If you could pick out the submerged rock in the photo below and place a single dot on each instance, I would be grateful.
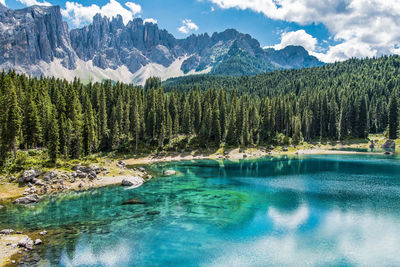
(169, 172)
(27, 200)
(133, 181)
(153, 212)
(26, 242)
(134, 201)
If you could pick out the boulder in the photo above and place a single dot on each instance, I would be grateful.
(27, 200)
(28, 175)
(44, 232)
(133, 181)
(81, 174)
(169, 172)
(92, 175)
(389, 145)
(78, 167)
(1, 207)
(141, 169)
(37, 182)
(94, 168)
(122, 163)
(285, 149)
(26, 242)
(7, 231)
(38, 242)
(49, 176)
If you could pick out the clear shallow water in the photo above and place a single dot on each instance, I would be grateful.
(311, 211)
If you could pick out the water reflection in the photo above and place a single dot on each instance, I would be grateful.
(291, 220)
(317, 210)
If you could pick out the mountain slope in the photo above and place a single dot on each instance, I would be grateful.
(238, 62)
(292, 57)
(36, 41)
(34, 34)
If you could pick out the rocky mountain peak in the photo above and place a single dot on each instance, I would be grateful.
(39, 35)
(37, 41)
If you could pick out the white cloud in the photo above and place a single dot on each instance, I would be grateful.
(299, 37)
(187, 26)
(33, 3)
(3, 2)
(150, 20)
(80, 15)
(135, 8)
(360, 28)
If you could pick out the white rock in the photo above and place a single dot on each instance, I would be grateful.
(132, 181)
(169, 172)
(26, 242)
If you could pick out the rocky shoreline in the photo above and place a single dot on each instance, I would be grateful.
(35, 185)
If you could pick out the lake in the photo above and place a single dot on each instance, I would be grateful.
(315, 210)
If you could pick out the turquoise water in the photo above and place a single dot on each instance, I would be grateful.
(325, 210)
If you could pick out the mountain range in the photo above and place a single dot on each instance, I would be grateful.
(36, 41)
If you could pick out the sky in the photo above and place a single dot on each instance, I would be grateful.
(331, 30)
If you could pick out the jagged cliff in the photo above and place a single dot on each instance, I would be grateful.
(36, 41)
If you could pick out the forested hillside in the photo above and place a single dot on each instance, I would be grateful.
(337, 101)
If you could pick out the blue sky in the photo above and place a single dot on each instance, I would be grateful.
(332, 30)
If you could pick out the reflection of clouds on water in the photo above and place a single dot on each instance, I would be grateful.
(290, 220)
(366, 239)
(85, 255)
(272, 251)
(342, 238)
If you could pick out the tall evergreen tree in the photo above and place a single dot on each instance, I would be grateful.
(53, 144)
(393, 110)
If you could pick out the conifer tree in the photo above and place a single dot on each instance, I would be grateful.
(187, 118)
(363, 119)
(31, 123)
(11, 118)
(215, 130)
(393, 110)
(53, 144)
(297, 136)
